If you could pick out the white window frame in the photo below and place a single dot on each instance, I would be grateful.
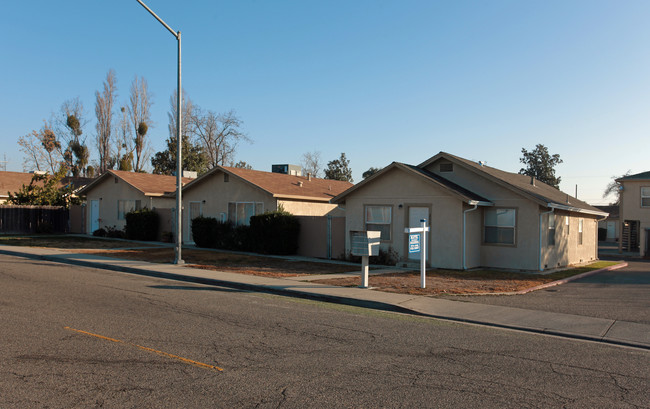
(645, 196)
(258, 208)
(581, 223)
(497, 226)
(126, 206)
(387, 234)
(551, 229)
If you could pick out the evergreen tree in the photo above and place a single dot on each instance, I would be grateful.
(339, 169)
(541, 165)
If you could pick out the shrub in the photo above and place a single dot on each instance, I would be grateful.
(204, 231)
(114, 233)
(142, 225)
(602, 234)
(101, 232)
(275, 232)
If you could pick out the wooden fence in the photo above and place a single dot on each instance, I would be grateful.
(34, 219)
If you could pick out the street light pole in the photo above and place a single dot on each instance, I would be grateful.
(179, 162)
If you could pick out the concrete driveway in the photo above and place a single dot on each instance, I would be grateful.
(622, 294)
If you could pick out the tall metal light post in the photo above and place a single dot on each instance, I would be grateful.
(179, 162)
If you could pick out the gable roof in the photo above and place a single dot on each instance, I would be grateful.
(534, 189)
(612, 210)
(280, 185)
(11, 182)
(637, 176)
(456, 190)
(147, 183)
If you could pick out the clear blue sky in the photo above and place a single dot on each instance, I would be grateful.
(379, 80)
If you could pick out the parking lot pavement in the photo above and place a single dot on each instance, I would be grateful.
(622, 294)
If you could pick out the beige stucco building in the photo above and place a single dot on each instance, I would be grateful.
(236, 194)
(115, 193)
(634, 213)
(479, 216)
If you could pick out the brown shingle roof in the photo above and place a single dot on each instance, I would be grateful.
(14, 181)
(147, 183)
(284, 186)
(543, 193)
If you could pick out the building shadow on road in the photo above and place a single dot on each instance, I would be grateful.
(203, 288)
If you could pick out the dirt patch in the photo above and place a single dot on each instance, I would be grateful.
(460, 282)
(409, 283)
(229, 262)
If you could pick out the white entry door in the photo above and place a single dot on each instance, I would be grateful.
(611, 231)
(94, 215)
(415, 215)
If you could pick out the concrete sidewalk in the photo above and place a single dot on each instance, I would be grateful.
(565, 325)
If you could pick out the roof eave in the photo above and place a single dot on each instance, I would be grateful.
(576, 209)
(299, 197)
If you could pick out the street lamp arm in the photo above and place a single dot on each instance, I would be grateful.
(174, 33)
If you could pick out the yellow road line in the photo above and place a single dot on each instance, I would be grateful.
(188, 361)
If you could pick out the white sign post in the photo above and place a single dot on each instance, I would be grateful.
(419, 245)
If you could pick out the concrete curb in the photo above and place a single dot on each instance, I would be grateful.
(572, 278)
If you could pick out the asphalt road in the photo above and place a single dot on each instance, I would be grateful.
(80, 337)
(622, 294)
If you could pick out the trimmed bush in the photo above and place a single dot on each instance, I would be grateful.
(204, 231)
(142, 225)
(275, 232)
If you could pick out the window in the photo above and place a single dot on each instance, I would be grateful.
(379, 218)
(500, 226)
(226, 178)
(126, 206)
(446, 167)
(645, 197)
(567, 223)
(239, 213)
(580, 225)
(551, 229)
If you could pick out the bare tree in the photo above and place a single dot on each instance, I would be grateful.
(139, 115)
(42, 150)
(614, 188)
(69, 126)
(104, 102)
(218, 134)
(188, 113)
(311, 163)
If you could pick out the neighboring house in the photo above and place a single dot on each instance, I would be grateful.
(236, 194)
(11, 182)
(115, 193)
(479, 216)
(635, 213)
(611, 223)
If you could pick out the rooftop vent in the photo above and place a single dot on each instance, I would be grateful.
(532, 180)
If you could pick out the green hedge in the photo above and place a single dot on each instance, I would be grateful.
(275, 232)
(269, 233)
(142, 225)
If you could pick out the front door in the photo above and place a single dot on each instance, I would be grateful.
(94, 215)
(611, 231)
(415, 215)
